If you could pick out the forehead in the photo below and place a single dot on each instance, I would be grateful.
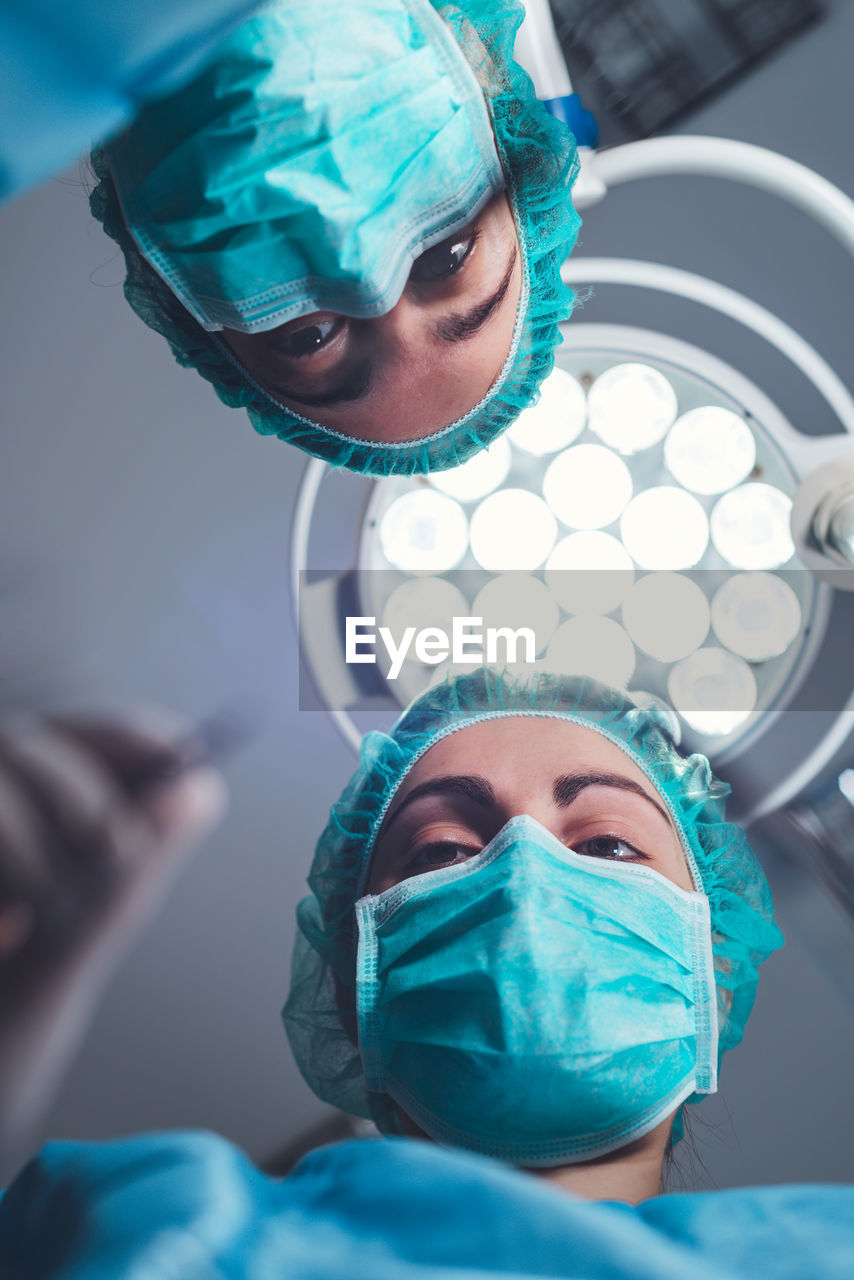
(524, 752)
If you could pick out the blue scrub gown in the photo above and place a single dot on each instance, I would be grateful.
(190, 1206)
(73, 73)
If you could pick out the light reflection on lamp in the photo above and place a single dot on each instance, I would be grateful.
(517, 600)
(589, 572)
(512, 529)
(750, 527)
(631, 407)
(592, 646)
(587, 486)
(424, 531)
(666, 615)
(756, 615)
(714, 691)
(665, 528)
(710, 450)
(555, 420)
(477, 477)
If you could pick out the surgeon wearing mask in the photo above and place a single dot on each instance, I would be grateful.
(352, 224)
(530, 938)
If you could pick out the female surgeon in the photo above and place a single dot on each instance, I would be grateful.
(352, 224)
(530, 937)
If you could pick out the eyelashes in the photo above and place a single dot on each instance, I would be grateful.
(447, 853)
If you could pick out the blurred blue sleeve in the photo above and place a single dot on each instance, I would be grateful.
(72, 73)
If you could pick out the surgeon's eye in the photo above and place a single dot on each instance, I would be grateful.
(442, 853)
(611, 847)
(305, 337)
(444, 259)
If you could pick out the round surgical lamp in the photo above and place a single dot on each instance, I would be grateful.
(665, 525)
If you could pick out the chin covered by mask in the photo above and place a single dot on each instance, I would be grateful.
(324, 148)
(368, 1016)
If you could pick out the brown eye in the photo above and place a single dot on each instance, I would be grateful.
(442, 853)
(444, 259)
(611, 847)
(310, 337)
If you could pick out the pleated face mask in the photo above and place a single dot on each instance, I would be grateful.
(326, 146)
(535, 1004)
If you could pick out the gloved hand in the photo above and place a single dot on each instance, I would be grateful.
(89, 843)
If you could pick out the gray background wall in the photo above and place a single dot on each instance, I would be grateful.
(143, 553)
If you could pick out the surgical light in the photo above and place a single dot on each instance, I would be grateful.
(424, 602)
(479, 476)
(631, 407)
(587, 486)
(665, 528)
(424, 531)
(756, 615)
(589, 572)
(512, 529)
(714, 691)
(555, 420)
(517, 600)
(750, 527)
(666, 615)
(592, 646)
(710, 450)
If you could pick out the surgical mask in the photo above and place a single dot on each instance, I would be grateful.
(325, 147)
(535, 1004)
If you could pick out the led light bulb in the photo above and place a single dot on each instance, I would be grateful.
(631, 407)
(512, 529)
(477, 477)
(517, 600)
(665, 528)
(424, 531)
(589, 572)
(666, 615)
(750, 527)
(756, 615)
(587, 486)
(710, 450)
(555, 420)
(713, 691)
(424, 602)
(592, 646)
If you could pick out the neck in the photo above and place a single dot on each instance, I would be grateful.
(632, 1173)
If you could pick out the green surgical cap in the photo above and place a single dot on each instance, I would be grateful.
(539, 163)
(320, 1016)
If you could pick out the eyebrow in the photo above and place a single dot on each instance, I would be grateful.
(569, 787)
(354, 385)
(357, 382)
(565, 790)
(460, 327)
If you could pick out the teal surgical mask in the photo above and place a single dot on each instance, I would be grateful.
(323, 149)
(535, 1004)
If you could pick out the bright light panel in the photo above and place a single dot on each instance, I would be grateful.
(513, 529)
(750, 527)
(517, 600)
(424, 531)
(589, 572)
(713, 691)
(477, 477)
(631, 407)
(756, 615)
(587, 486)
(665, 528)
(592, 646)
(555, 420)
(424, 602)
(710, 450)
(666, 615)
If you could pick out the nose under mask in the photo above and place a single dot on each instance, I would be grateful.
(535, 1004)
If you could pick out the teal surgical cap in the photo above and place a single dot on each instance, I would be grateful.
(327, 145)
(320, 1016)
